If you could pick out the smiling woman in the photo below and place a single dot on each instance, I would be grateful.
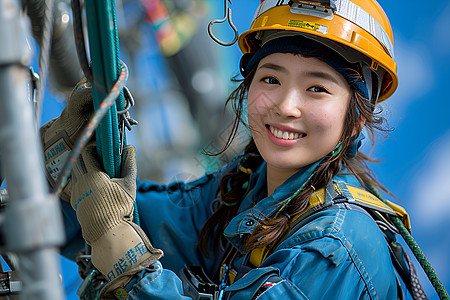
(292, 216)
(306, 109)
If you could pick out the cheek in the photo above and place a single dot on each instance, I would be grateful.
(256, 101)
(258, 104)
(329, 119)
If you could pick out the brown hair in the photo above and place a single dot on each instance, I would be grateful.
(271, 228)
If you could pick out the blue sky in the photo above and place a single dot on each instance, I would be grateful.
(416, 166)
(415, 162)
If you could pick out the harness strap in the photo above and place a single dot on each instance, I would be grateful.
(338, 195)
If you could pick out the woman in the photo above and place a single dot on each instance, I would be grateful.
(287, 218)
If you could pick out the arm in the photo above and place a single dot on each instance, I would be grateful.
(120, 249)
(104, 209)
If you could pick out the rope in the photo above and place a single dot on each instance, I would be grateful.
(412, 244)
(79, 42)
(104, 56)
(102, 73)
(44, 54)
(105, 67)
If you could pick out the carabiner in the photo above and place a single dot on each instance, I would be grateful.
(124, 119)
(227, 16)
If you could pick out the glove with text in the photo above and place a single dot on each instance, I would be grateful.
(59, 135)
(104, 208)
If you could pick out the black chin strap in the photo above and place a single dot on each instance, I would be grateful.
(372, 79)
(245, 59)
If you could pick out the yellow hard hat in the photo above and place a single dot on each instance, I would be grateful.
(358, 30)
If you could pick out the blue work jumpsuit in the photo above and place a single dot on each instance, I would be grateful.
(339, 254)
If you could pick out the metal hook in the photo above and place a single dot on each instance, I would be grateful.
(124, 117)
(227, 16)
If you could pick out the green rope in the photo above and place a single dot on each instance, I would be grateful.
(106, 67)
(104, 49)
(333, 153)
(289, 199)
(412, 244)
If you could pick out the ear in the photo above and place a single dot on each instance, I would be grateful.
(360, 126)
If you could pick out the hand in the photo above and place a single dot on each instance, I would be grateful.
(59, 135)
(104, 208)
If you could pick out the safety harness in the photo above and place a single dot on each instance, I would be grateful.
(337, 194)
(350, 197)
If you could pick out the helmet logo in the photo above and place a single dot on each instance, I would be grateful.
(308, 25)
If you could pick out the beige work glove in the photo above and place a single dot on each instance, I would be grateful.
(59, 135)
(104, 208)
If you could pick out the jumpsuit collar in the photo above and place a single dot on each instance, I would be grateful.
(256, 204)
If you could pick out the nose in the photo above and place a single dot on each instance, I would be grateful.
(289, 104)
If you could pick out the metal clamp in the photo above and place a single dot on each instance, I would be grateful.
(124, 117)
(320, 8)
(4, 197)
(314, 3)
(227, 16)
(8, 286)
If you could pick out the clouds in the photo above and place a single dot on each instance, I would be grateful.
(415, 72)
(430, 203)
(431, 192)
(441, 36)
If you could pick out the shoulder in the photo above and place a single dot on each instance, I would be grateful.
(350, 229)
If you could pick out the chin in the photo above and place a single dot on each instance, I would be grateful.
(286, 163)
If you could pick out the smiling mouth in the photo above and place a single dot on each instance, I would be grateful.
(285, 135)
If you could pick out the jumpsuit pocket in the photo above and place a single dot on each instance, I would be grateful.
(247, 286)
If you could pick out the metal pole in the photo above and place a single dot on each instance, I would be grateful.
(32, 222)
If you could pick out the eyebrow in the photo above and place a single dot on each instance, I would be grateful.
(323, 75)
(273, 67)
(317, 74)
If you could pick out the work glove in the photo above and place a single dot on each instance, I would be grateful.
(59, 135)
(104, 208)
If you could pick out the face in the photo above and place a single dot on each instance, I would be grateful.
(296, 110)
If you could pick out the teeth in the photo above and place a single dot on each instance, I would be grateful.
(284, 134)
(278, 133)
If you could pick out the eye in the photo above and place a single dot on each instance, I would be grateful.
(270, 80)
(318, 89)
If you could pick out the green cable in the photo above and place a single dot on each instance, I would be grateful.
(110, 44)
(412, 244)
(105, 69)
(105, 65)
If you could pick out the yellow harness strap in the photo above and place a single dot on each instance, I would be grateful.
(366, 199)
(401, 212)
(258, 255)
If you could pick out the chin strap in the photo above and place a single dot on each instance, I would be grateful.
(372, 80)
